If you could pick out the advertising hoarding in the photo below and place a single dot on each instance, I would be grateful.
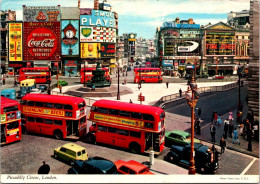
(186, 33)
(173, 47)
(220, 44)
(97, 34)
(98, 18)
(70, 67)
(89, 50)
(167, 62)
(108, 50)
(41, 40)
(132, 47)
(70, 37)
(41, 13)
(15, 42)
(185, 26)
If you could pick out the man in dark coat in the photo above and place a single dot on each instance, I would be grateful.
(180, 91)
(226, 124)
(222, 144)
(230, 129)
(212, 132)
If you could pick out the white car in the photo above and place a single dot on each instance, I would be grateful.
(35, 91)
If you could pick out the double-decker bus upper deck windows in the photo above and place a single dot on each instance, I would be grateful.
(39, 104)
(48, 121)
(124, 113)
(68, 107)
(68, 114)
(13, 125)
(113, 112)
(82, 104)
(58, 106)
(10, 109)
(112, 130)
(123, 132)
(135, 134)
(148, 125)
(39, 120)
(49, 105)
(136, 115)
(103, 110)
(102, 128)
(30, 119)
(148, 117)
(30, 103)
(57, 122)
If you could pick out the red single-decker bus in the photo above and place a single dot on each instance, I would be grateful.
(10, 121)
(40, 74)
(139, 128)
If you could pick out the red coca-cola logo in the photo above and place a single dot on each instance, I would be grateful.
(42, 43)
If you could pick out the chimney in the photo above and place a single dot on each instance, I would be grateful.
(96, 4)
(177, 20)
(190, 21)
(78, 3)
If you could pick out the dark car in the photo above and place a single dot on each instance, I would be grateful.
(94, 165)
(43, 88)
(206, 158)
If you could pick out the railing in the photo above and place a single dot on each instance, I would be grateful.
(198, 80)
(175, 96)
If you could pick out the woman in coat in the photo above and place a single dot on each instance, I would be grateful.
(219, 121)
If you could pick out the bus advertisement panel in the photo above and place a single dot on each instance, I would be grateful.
(53, 115)
(10, 121)
(147, 75)
(88, 74)
(40, 74)
(136, 127)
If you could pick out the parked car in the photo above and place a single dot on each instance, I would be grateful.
(71, 152)
(218, 77)
(131, 167)
(206, 158)
(63, 83)
(95, 165)
(36, 91)
(178, 137)
(43, 88)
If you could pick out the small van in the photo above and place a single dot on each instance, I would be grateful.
(26, 86)
(9, 93)
(71, 152)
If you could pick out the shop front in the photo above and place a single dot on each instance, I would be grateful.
(167, 67)
(225, 70)
(14, 67)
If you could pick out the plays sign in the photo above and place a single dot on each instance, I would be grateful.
(41, 41)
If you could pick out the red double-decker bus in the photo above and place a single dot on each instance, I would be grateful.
(53, 115)
(147, 75)
(10, 121)
(88, 74)
(40, 74)
(139, 128)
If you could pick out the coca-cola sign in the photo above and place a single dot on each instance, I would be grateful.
(42, 41)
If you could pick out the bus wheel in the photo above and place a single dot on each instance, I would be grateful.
(58, 134)
(135, 147)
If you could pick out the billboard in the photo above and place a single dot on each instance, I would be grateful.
(220, 44)
(186, 33)
(89, 50)
(41, 13)
(70, 67)
(167, 63)
(70, 37)
(97, 34)
(108, 50)
(15, 42)
(41, 41)
(173, 47)
(98, 18)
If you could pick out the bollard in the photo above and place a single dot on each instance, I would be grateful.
(151, 154)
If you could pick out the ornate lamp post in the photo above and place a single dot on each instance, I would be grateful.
(118, 75)
(239, 70)
(57, 63)
(140, 76)
(192, 98)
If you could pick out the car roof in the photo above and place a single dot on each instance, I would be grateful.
(134, 165)
(179, 132)
(100, 163)
(74, 147)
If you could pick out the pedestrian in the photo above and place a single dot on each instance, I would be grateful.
(226, 124)
(198, 127)
(60, 88)
(222, 144)
(93, 87)
(212, 132)
(3, 80)
(167, 84)
(235, 137)
(130, 101)
(230, 129)
(241, 128)
(199, 112)
(15, 82)
(249, 138)
(215, 117)
(212, 116)
(180, 92)
(44, 169)
(230, 116)
(219, 121)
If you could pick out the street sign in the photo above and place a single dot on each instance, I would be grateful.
(140, 97)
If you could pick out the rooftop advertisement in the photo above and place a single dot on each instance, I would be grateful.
(98, 18)
(41, 13)
(70, 37)
(175, 25)
(97, 34)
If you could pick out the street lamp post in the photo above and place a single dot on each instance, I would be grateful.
(118, 92)
(84, 70)
(192, 98)
(140, 76)
(49, 83)
(57, 63)
(239, 95)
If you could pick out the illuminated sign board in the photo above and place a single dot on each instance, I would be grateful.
(175, 25)
(108, 50)
(97, 34)
(173, 47)
(167, 62)
(15, 42)
(89, 50)
(98, 18)
(220, 43)
(41, 40)
(41, 13)
(70, 67)
(186, 33)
